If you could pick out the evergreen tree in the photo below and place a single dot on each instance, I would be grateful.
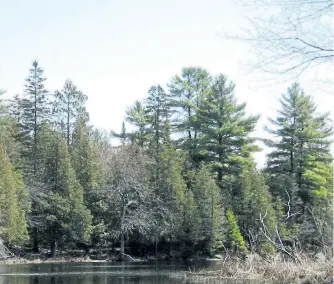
(9, 133)
(13, 202)
(36, 109)
(256, 200)
(29, 112)
(172, 191)
(137, 116)
(68, 105)
(87, 165)
(225, 128)
(185, 93)
(157, 118)
(65, 212)
(191, 224)
(207, 198)
(157, 112)
(301, 153)
(303, 139)
(234, 238)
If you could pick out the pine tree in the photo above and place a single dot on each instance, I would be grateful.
(68, 105)
(137, 116)
(301, 153)
(185, 93)
(225, 128)
(303, 138)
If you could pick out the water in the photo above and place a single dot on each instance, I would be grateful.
(98, 273)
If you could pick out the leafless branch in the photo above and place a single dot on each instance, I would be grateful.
(289, 214)
(288, 36)
(279, 246)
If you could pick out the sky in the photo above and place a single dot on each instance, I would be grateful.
(115, 50)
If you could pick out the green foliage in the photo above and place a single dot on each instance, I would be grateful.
(13, 202)
(185, 157)
(234, 237)
(185, 94)
(255, 200)
(303, 140)
(172, 191)
(207, 197)
(191, 225)
(68, 105)
(65, 212)
(88, 170)
(35, 109)
(137, 116)
(301, 159)
(267, 248)
(225, 129)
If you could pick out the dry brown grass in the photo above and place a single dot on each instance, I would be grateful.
(305, 270)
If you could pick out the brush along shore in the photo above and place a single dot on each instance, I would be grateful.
(305, 270)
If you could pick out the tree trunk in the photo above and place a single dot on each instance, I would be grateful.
(122, 246)
(53, 248)
(35, 133)
(35, 240)
(156, 248)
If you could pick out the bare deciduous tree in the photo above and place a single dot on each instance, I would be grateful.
(129, 193)
(289, 36)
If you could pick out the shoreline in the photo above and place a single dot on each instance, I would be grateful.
(21, 260)
(306, 270)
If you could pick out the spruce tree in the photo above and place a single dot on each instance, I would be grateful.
(157, 112)
(68, 105)
(36, 109)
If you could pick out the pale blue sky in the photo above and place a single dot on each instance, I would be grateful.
(115, 50)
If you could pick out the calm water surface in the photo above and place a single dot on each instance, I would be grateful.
(97, 273)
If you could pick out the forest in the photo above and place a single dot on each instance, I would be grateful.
(182, 180)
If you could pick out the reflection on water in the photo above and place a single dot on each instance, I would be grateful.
(97, 273)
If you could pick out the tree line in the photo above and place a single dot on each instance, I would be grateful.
(182, 182)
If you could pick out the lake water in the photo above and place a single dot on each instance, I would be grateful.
(98, 273)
